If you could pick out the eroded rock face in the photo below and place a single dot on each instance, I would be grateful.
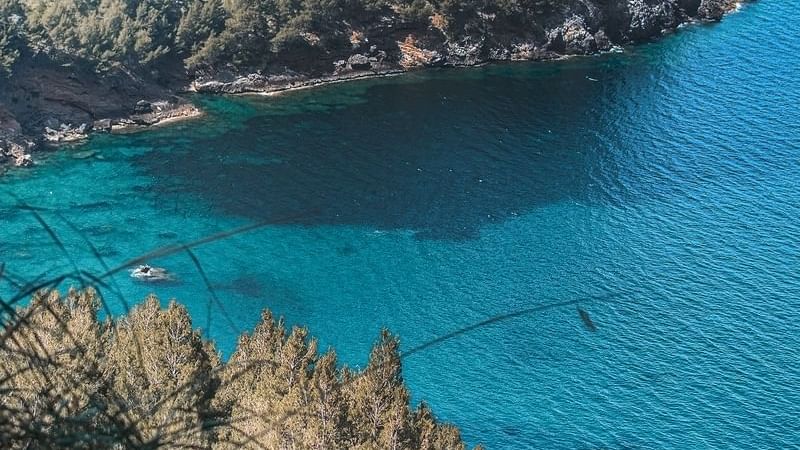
(414, 55)
(142, 107)
(8, 124)
(359, 62)
(468, 51)
(689, 6)
(45, 93)
(551, 28)
(575, 38)
(227, 84)
(650, 18)
(66, 133)
(14, 150)
(160, 111)
(714, 9)
(102, 125)
(14, 146)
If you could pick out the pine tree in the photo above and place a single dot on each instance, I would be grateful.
(294, 387)
(11, 34)
(378, 399)
(163, 374)
(431, 435)
(200, 20)
(327, 409)
(51, 351)
(148, 380)
(250, 391)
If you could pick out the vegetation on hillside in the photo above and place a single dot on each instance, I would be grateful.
(140, 34)
(11, 34)
(148, 380)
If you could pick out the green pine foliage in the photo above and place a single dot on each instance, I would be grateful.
(11, 34)
(241, 34)
(149, 380)
(106, 33)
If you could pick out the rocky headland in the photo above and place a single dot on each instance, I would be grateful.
(53, 102)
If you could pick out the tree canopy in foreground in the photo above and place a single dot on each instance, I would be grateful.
(149, 380)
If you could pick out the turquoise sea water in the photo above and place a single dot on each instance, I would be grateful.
(664, 199)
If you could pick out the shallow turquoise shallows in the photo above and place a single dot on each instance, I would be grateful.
(663, 199)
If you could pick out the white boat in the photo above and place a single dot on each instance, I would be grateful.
(149, 273)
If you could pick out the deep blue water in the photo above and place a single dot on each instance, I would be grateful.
(664, 199)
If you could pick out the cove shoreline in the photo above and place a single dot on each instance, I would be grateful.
(47, 126)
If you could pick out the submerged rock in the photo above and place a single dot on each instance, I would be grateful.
(84, 154)
(151, 274)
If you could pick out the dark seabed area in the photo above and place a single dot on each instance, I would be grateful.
(636, 238)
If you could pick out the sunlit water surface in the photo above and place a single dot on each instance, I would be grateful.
(664, 199)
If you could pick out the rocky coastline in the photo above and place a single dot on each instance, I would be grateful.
(580, 33)
(47, 104)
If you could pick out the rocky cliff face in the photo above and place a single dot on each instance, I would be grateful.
(48, 102)
(575, 27)
(14, 146)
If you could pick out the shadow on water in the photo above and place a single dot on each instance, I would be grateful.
(428, 157)
(249, 285)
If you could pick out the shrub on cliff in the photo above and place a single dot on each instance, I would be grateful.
(107, 33)
(149, 380)
(142, 36)
(11, 34)
(138, 34)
